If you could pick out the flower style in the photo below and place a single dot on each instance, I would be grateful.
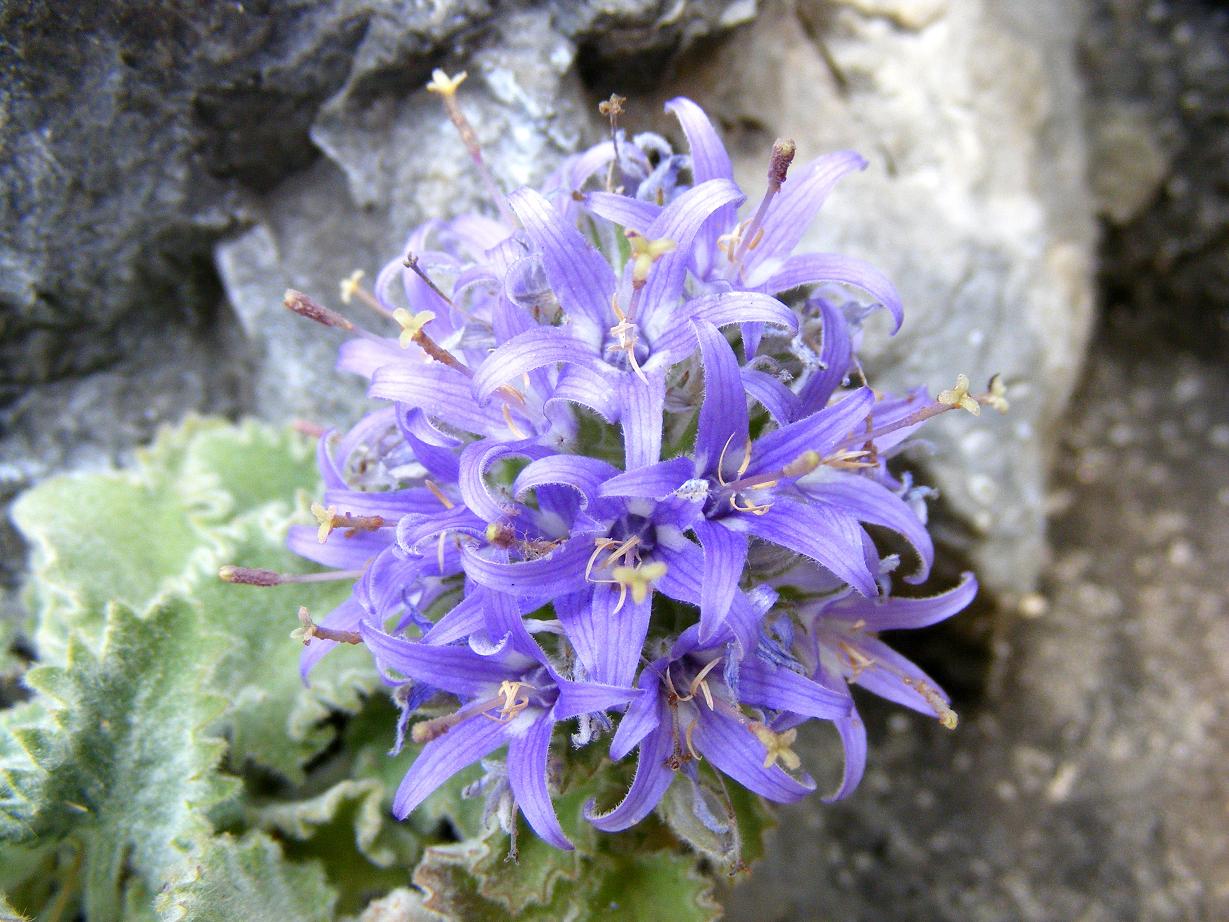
(582, 502)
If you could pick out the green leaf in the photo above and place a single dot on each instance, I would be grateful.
(652, 886)
(229, 879)
(251, 463)
(96, 538)
(399, 905)
(27, 739)
(130, 770)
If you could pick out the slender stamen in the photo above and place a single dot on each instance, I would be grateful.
(438, 494)
(612, 108)
(309, 629)
(699, 682)
(352, 287)
(329, 520)
(257, 576)
(859, 662)
(512, 426)
(446, 87)
(305, 306)
(411, 263)
(749, 237)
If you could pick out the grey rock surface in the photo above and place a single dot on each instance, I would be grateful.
(974, 202)
(1163, 170)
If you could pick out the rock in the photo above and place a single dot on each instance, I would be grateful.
(974, 202)
(1168, 257)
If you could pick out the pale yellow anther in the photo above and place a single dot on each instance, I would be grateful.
(351, 285)
(513, 701)
(443, 84)
(997, 398)
(958, 396)
(411, 324)
(778, 746)
(751, 507)
(803, 464)
(645, 252)
(625, 332)
(327, 519)
(639, 579)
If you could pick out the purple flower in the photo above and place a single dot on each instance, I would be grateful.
(605, 438)
(508, 697)
(844, 647)
(691, 710)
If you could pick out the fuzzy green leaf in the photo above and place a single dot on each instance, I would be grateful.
(96, 538)
(229, 879)
(252, 464)
(130, 769)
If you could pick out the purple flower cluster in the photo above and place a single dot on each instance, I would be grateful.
(619, 483)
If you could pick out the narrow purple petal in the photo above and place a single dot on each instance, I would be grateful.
(725, 553)
(527, 756)
(623, 210)
(531, 350)
(680, 221)
(765, 685)
(811, 268)
(643, 714)
(620, 634)
(780, 402)
(872, 502)
(432, 449)
(362, 356)
(580, 275)
(896, 613)
(641, 407)
(595, 389)
(677, 340)
(438, 391)
(475, 459)
(836, 355)
(577, 698)
(440, 759)
(853, 739)
(339, 552)
(723, 424)
(708, 157)
(584, 475)
(737, 752)
(653, 481)
(652, 778)
(417, 534)
(818, 432)
(887, 676)
(458, 670)
(828, 536)
(458, 623)
(561, 571)
(799, 201)
(386, 503)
